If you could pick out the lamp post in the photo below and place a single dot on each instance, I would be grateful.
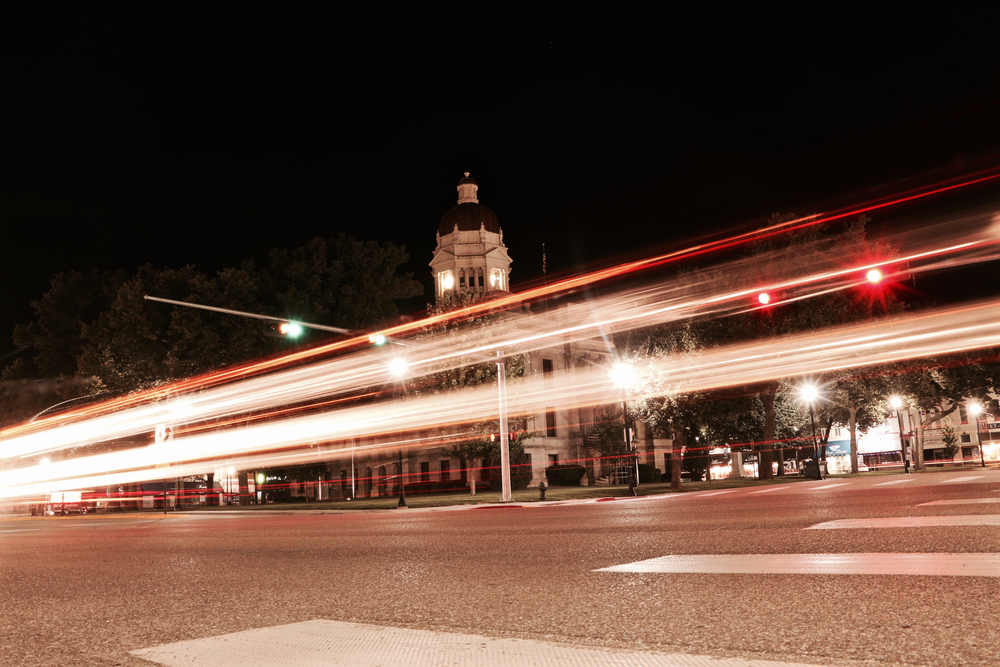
(504, 444)
(809, 393)
(976, 410)
(398, 368)
(897, 403)
(624, 377)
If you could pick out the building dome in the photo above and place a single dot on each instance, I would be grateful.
(469, 217)
(469, 214)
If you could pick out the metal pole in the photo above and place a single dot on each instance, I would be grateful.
(227, 311)
(979, 437)
(902, 447)
(812, 418)
(633, 473)
(504, 446)
(402, 493)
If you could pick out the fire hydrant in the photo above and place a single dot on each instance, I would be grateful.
(541, 490)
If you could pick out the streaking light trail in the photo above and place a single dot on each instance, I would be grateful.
(237, 373)
(362, 372)
(947, 331)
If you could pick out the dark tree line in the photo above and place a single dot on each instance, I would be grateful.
(94, 334)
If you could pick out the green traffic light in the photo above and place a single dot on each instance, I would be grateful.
(290, 329)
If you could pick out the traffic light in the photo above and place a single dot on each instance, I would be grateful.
(511, 436)
(283, 329)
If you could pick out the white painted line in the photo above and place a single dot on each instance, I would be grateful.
(322, 643)
(773, 488)
(895, 481)
(917, 564)
(911, 522)
(961, 501)
(714, 493)
(28, 530)
(961, 479)
(829, 486)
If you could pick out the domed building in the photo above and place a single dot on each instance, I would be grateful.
(470, 253)
(470, 256)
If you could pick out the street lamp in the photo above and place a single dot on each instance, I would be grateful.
(624, 377)
(897, 403)
(976, 410)
(809, 394)
(398, 368)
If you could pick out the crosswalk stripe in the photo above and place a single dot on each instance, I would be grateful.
(895, 481)
(828, 486)
(714, 493)
(910, 522)
(961, 501)
(327, 643)
(916, 564)
(961, 479)
(773, 488)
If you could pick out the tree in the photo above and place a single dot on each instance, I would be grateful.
(770, 260)
(937, 386)
(98, 324)
(949, 436)
(98, 328)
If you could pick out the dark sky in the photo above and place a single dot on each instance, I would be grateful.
(136, 136)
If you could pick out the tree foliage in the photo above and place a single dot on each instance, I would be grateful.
(97, 326)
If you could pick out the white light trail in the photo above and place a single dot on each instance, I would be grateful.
(726, 289)
(947, 331)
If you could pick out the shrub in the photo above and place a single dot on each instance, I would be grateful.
(567, 475)
(648, 474)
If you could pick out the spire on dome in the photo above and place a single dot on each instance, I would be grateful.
(467, 190)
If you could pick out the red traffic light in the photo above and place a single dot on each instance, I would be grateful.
(874, 276)
(764, 298)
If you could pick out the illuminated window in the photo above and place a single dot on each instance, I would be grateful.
(496, 279)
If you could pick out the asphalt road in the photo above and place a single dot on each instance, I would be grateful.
(86, 590)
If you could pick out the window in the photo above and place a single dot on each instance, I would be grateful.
(963, 415)
(425, 471)
(546, 366)
(445, 471)
(966, 437)
(550, 423)
(553, 459)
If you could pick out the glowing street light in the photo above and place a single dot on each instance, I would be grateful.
(897, 403)
(874, 276)
(764, 298)
(809, 393)
(398, 367)
(976, 410)
(624, 376)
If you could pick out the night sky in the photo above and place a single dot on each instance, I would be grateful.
(136, 136)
